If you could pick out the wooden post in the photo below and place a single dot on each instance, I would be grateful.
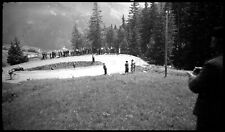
(166, 40)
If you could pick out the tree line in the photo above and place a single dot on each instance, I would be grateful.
(143, 32)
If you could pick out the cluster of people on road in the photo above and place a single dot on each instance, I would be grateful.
(54, 54)
(83, 51)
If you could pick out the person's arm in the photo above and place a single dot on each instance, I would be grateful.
(198, 83)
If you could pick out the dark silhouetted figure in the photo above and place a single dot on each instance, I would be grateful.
(93, 59)
(74, 65)
(126, 67)
(208, 85)
(105, 69)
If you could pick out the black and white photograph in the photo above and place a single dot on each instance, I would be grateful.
(112, 65)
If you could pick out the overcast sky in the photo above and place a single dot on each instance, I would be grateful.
(48, 25)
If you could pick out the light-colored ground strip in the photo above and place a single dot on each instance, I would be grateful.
(114, 63)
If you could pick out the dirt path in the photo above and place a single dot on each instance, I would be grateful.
(114, 63)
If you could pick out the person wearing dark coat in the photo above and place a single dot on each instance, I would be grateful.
(105, 69)
(126, 67)
(208, 85)
(93, 59)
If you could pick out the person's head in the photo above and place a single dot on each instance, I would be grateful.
(126, 61)
(217, 39)
(132, 60)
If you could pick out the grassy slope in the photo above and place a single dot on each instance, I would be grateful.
(133, 101)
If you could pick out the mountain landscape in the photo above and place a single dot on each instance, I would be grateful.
(48, 25)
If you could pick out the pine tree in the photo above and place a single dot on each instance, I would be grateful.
(109, 37)
(77, 40)
(115, 39)
(132, 30)
(155, 52)
(145, 28)
(123, 22)
(195, 23)
(104, 33)
(122, 37)
(86, 41)
(182, 16)
(95, 29)
(172, 29)
(15, 54)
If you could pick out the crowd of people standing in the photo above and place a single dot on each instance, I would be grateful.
(55, 54)
(83, 51)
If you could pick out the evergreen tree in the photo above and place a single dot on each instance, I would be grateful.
(182, 16)
(122, 41)
(115, 39)
(172, 29)
(95, 29)
(115, 28)
(156, 48)
(145, 28)
(86, 41)
(15, 54)
(77, 40)
(153, 39)
(109, 37)
(104, 33)
(123, 22)
(122, 37)
(195, 23)
(132, 30)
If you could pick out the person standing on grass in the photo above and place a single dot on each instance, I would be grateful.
(131, 66)
(126, 67)
(208, 85)
(105, 69)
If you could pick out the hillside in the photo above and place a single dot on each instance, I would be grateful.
(139, 101)
(114, 63)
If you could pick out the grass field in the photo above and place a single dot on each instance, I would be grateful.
(138, 101)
